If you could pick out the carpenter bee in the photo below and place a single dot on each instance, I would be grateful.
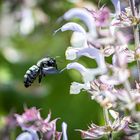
(43, 67)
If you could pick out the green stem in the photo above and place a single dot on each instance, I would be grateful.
(110, 137)
(136, 32)
(128, 88)
(107, 122)
(106, 116)
(137, 43)
(137, 39)
(132, 6)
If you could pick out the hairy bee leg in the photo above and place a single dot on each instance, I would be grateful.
(40, 76)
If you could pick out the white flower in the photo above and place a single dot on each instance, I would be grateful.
(78, 40)
(71, 54)
(25, 136)
(64, 131)
(88, 74)
(93, 53)
(83, 15)
(119, 76)
(114, 114)
(117, 6)
(122, 57)
(72, 27)
(29, 135)
(108, 50)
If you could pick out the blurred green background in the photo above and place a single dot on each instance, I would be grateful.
(26, 35)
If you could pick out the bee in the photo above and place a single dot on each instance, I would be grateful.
(43, 67)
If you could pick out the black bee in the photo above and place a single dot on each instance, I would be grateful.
(43, 67)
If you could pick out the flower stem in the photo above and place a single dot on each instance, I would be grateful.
(136, 32)
(132, 6)
(128, 88)
(137, 41)
(136, 38)
(106, 116)
(107, 122)
(110, 137)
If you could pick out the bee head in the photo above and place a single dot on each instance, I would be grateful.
(47, 62)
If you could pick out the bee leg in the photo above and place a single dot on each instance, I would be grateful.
(39, 79)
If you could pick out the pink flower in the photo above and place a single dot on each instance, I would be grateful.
(30, 115)
(48, 128)
(101, 17)
(96, 132)
(31, 121)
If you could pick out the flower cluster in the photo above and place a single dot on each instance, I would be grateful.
(33, 124)
(95, 132)
(109, 83)
(7, 126)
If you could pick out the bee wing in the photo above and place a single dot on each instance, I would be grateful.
(49, 70)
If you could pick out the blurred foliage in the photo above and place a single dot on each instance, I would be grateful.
(19, 50)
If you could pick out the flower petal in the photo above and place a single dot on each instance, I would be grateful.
(119, 76)
(88, 74)
(64, 131)
(84, 16)
(78, 40)
(29, 135)
(29, 115)
(73, 27)
(25, 136)
(114, 114)
(48, 117)
(71, 53)
(77, 66)
(93, 53)
(76, 87)
(94, 132)
(117, 6)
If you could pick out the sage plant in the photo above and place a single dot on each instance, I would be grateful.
(108, 35)
(109, 84)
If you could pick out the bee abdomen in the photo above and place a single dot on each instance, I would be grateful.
(31, 75)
